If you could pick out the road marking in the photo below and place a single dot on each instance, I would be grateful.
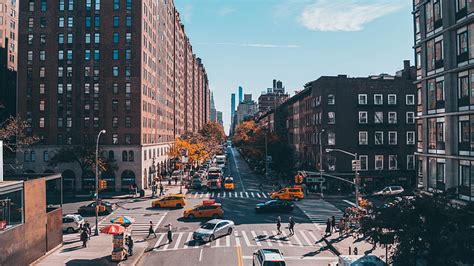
(306, 239)
(227, 241)
(247, 194)
(258, 194)
(180, 235)
(195, 194)
(159, 241)
(238, 172)
(201, 195)
(240, 261)
(218, 194)
(166, 246)
(300, 258)
(297, 240)
(188, 239)
(241, 195)
(266, 239)
(255, 238)
(212, 195)
(251, 193)
(315, 238)
(200, 255)
(218, 243)
(265, 196)
(246, 239)
(237, 240)
(349, 202)
(159, 221)
(235, 194)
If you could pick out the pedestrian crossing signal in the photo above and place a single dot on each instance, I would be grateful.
(102, 184)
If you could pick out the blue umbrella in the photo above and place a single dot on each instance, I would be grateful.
(123, 220)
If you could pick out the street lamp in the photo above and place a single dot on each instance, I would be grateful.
(96, 231)
(321, 160)
(356, 170)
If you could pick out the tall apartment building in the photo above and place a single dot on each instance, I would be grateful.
(444, 49)
(246, 109)
(372, 116)
(273, 97)
(117, 65)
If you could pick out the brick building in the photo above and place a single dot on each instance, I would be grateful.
(126, 67)
(373, 117)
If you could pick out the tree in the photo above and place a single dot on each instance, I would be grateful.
(13, 133)
(428, 230)
(84, 156)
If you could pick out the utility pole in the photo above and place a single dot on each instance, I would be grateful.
(266, 155)
(96, 231)
(321, 160)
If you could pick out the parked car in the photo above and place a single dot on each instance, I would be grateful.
(390, 191)
(72, 223)
(213, 229)
(275, 206)
(170, 201)
(268, 257)
(104, 207)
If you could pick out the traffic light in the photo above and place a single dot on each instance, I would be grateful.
(102, 184)
(298, 179)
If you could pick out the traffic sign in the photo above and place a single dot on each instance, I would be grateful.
(355, 165)
(315, 179)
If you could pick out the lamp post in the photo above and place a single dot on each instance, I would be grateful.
(96, 231)
(321, 160)
(356, 170)
(266, 155)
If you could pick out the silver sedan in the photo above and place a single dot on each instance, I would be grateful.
(213, 229)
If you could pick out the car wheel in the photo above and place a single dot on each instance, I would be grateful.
(211, 238)
(215, 215)
(229, 232)
(191, 216)
(179, 205)
(70, 230)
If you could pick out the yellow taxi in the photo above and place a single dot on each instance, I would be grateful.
(229, 183)
(208, 209)
(288, 193)
(170, 201)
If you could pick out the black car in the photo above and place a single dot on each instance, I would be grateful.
(105, 207)
(197, 184)
(275, 206)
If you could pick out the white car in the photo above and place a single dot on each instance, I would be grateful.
(213, 229)
(390, 191)
(268, 257)
(72, 223)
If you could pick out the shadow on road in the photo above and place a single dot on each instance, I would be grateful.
(107, 260)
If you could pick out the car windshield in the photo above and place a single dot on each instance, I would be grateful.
(229, 181)
(208, 226)
(271, 202)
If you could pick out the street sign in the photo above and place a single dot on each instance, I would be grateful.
(269, 158)
(355, 165)
(315, 179)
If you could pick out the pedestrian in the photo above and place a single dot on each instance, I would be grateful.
(135, 191)
(130, 190)
(151, 230)
(161, 190)
(130, 245)
(291, 226)
(333, 224)
(341, 226)
(328, 227)
(153, 189)
(84, 238)
(87, 228)
(175, 180)
(279, 225)
(170, 233)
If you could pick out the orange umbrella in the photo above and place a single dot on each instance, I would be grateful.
(113, 229)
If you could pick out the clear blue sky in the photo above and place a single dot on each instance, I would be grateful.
(251, 42)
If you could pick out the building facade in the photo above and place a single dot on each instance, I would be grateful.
(126, 67)
(444, 39)
(373, 117)
(246, 109)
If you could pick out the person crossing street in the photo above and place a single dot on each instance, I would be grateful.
(161, 190)
(291, 226)
(151, 230)
(170, 233)
(279, 225)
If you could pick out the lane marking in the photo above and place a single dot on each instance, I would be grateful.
(240, 260)
(227, 241)
(235, 193)
(218, 243)
(218, 194)
(251, 193)
(237, 240)
(207, 194)
(223, 195)
(255, 238)
(349, 202)
(297, 240)
(306, 238)
(266, 240)
(326, 258)
(180, 235)
(241, 195)
(247, 194)
(237, 168)
(158, 242)
(315, 239)
(265, 196)
(258, 194)
(159, 221)
(201, 195)
(188, 239)
(200, 254)
(246, 239)
(195, 194)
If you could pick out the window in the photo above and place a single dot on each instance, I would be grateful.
(331, 118)
(410, 162)
(30, 56)
(88, 22)
(378, 162)
(466, 134)
(362, 117)
(33, 156)
(115, 121)
(115, 37)
(410, 99)
(115, 54)
(128, 71)
(392, 117)
(115, 139)
(363, 138)
(436, 173)
(87, 54)
(42, 38)
(41, 105)
(116, 21)
(127, 105)
(435, 94)
(378, 137)
(462, 42)
(331, 99)
(116, 4)
(115, 71)
(69, 38)
(87, 38)
(378, 99)
(392, 138)
(128, 4)
(466, 179)
(378, 117)
(392, 99)
(60, 122)
(70, 5)
(61, 5)
(128, 21)
(128, 37)
(436, 134)
(131, 156)
(128, 122)
(60, 72)
(410, 137)
(124, 156)
(115, 88)
(31, 6)
(128, 139)
(45, 156)
(128, 54)
(60, 89)
(88, 5)
(331, 138)
(392, 162)
(410, 119)
(363, 162)
(97, 4)
(69, 55)
(96, 21)
(96, 54)
(362, 99)
(114, 105)
(60, 55)
(68, 122)
(41, 122)
(96, 38)
(61, 22)
(429, 17)
(70, 22)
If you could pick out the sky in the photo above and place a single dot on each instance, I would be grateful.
(249, 43)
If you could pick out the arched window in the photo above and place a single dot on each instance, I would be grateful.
(130, 156)
(111, 155)
(124, 156)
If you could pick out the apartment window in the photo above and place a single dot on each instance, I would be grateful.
(114, 105)
(115, 37)
(69, 72)
(30, 23)
(88, 5)
(466, 133)
(70, 22)
(97, 4)
(429, 17)
(96, 122)
(60, 72)
(31, 6)
(410, 117)
(435, 94)
(124, 156)
(128, 37)
(96, 54)
(41, 122)
(96, 105)
(378, 137)
(410, 162)
(128, 71)
(88, 22)
(128, 139)
(115, 88)
(61, 22)
(60, 89)
(96, 21)
(69, 55)
(60, 122)
(30, 56)
(115, 121)
(87, 105)
(42, 39)
(42, 72)
(392, 117)
(392, 138)
(363, 138)
(462, 41)
(70, 5)
(68, 122)
(128, 21)
(362, 117)
(60, 55)
(128, 89)
(45, 156)
(128, 4)
(41, 105)
(97, 38)
(364, 162)
(362, 99)
(331, 138)
(436, 174)
(116, 4)
(392, 99)
(128, 105)
(115, 54)
(331, 118)
(61, 5)
(115, 139)
(331, 99)
(128, 122)
(378, 162)
(115, 71)
(466, 179)
(410, 137)
(392, 162)
(378, 99)
(87, 38)
(410, 99)
(41, 88)
(128, 54)
(116, 21)
(378, 117)
(435, 134)
(87, 54)
(69, 38)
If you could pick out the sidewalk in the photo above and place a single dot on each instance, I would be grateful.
(342, 245)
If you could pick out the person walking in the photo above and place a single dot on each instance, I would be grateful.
(151, 230)
(340, 226)
(170, 233)
(84, 238)
(333, 224)
(161, 190)
(328, 227)
(87, 227)
(291, 226)
(130, 245)
(153, 189)
(279, 225)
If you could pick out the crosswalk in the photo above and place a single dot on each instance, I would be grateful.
(184, 240)
(228, 194)
(142, 220)
(320, 214)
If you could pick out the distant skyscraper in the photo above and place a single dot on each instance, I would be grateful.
(219, 118)
(213, 109)
(241, 94)
(232, 105)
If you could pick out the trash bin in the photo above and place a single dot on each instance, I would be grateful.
(142, 193)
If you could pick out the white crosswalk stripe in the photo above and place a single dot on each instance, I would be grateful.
(228, 194)
(250, 238)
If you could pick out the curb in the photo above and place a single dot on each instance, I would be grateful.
(38, 260)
